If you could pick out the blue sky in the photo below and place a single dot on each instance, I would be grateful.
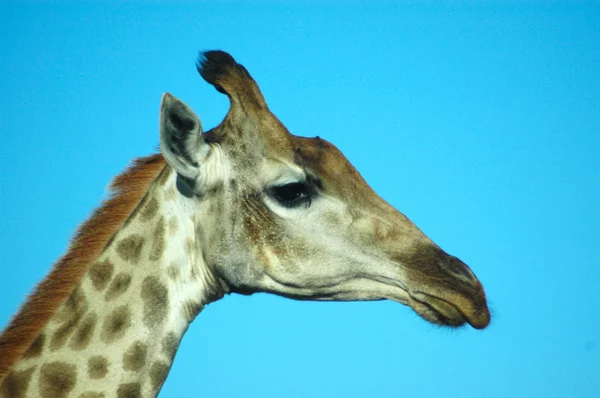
(481, 122)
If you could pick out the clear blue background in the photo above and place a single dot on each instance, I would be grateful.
(480, 122)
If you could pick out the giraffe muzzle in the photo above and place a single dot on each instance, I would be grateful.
(443, 290)
(448, 312)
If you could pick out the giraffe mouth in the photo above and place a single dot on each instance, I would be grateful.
(444, 312)
(454, 309)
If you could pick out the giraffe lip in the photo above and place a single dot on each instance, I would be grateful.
(442, 311)
(453, 311)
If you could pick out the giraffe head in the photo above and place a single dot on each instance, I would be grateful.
(279, 213)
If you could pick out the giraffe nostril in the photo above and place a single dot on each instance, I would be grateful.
(456, 266)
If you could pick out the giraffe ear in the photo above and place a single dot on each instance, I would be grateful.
(181, 141)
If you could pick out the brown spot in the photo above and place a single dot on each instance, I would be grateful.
(92, 394)
(70, 315)
(15, 384)
(158, 244)
(129, 390)
(57, 379)
(97, 367)
(100, 274)
(75, 303)
(156, 301)
(36, 347)
(170, 343)
(135, 357)
(149, 210)
(118, 286)
(130, 248)
(116, 324)
(173, 225)
(81, 339)
(173, 272)
(158, 374)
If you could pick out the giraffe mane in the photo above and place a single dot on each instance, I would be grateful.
(126, 192)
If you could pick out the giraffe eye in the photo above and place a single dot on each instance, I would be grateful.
(293, 194)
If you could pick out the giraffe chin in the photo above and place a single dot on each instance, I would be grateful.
(442, 312)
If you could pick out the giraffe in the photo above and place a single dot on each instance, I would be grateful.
(245, 207)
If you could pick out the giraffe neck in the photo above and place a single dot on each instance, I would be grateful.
(118, 332)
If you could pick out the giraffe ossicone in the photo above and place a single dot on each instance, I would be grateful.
(245, 207)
